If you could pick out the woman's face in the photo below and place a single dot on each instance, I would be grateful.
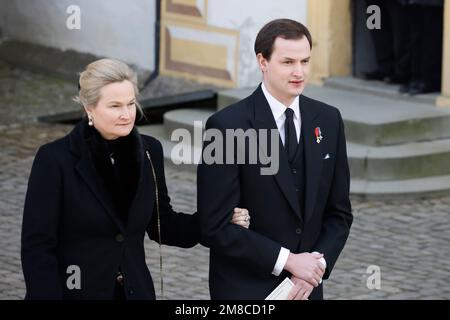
(115, 112)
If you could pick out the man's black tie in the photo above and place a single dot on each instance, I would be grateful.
(290, 136)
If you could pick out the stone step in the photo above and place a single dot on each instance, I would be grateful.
(361, 187)
(370, 119)
(181, 162)
(406, 161)
(378, 88)
(188, 119)
(410, 188)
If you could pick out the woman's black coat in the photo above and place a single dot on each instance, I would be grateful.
(70, 222)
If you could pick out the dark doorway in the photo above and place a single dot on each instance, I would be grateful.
(363, 49)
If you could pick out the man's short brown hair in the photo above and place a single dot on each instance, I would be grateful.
(284, 28)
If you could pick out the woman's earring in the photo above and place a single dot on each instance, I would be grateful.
(90, 122)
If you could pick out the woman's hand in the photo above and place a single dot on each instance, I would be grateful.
(241, 217)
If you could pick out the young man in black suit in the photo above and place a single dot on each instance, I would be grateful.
(301, 214)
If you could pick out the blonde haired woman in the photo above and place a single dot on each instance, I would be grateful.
(92, 196)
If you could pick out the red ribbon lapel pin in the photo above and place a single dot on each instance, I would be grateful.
(318, 134)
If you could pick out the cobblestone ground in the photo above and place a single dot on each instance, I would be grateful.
(406, 240)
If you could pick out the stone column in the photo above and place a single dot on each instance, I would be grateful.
(444, 99)
(330, 24)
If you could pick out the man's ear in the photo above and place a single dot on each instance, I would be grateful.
(262, 62)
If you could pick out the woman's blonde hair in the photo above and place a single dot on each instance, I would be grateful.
(101, 73)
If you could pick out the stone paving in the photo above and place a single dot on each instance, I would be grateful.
(406, 240)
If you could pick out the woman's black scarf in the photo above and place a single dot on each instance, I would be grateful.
(120, 176)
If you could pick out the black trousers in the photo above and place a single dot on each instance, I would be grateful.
(426, 31)
(392, 42)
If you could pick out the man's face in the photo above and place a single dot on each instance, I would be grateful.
(287, 71)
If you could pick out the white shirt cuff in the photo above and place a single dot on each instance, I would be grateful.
(323, 262)
(281, 261)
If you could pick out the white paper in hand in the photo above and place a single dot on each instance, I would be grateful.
(282, 291)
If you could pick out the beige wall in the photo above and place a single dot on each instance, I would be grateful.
(190, 48)
(330, 23)
(196, 46)
(444, 99)
(212, 40)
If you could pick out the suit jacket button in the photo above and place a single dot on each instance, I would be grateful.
(298, 231)
(120, 237)
(131, 292)
(294, 171)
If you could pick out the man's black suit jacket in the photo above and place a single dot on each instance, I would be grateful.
(242, 260)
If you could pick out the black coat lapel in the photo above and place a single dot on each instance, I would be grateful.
(145, 196)
(313, 159)
(263, 119)
(86, 168)
(90, 176)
